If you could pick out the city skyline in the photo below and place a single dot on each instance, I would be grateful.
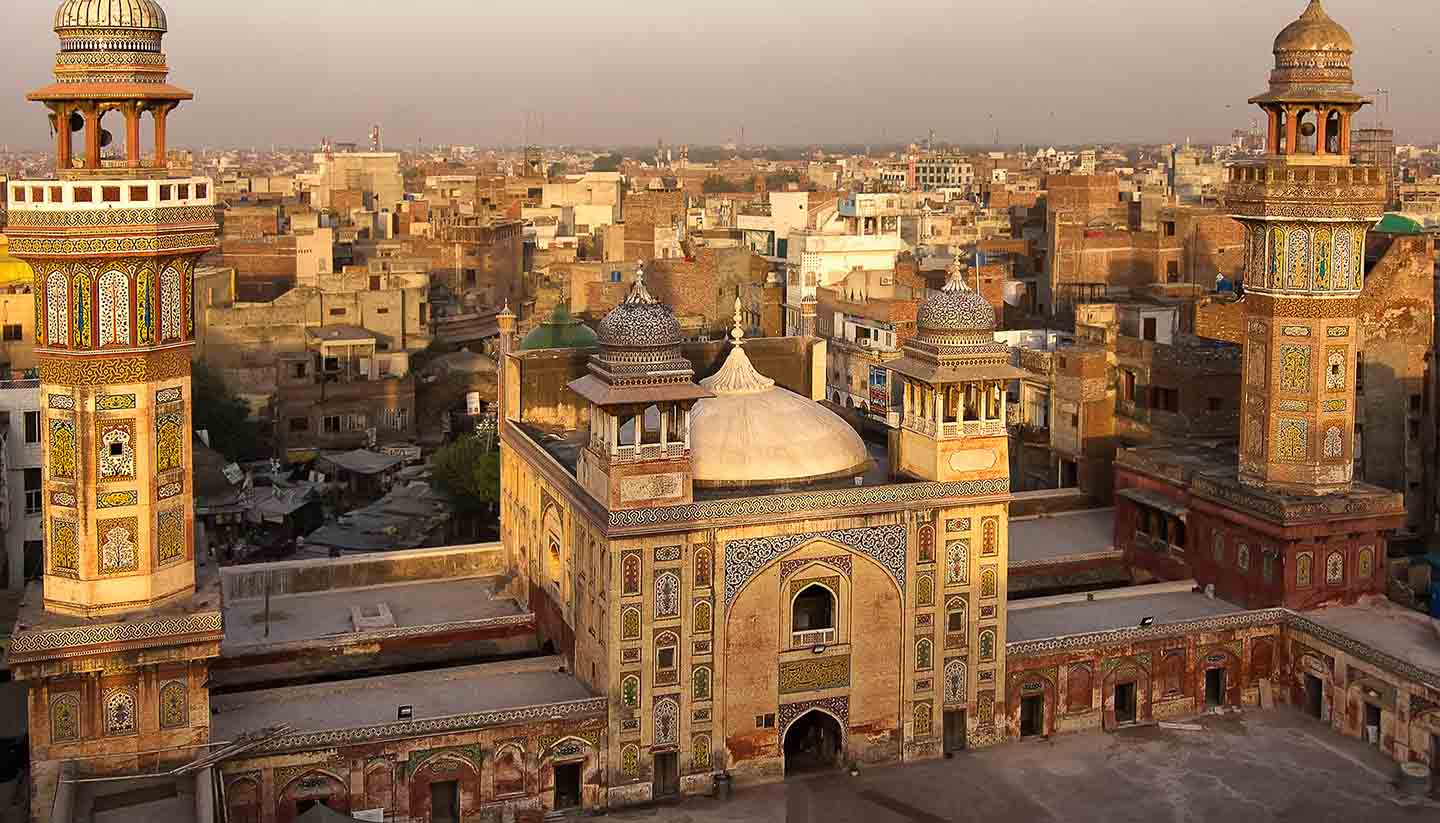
(436, 73)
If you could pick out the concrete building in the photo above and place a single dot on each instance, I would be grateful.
(24, 490)
(818, 259)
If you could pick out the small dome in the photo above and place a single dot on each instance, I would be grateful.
(956, 309)
(640, 321)
(559, 331)
(753, 433)
(111, 14)
(1314, 31)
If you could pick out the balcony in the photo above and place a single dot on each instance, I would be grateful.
(652, 451)
(817, 637)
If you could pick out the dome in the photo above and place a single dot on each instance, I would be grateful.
(640, 321)
(111, 14)
(956, 309)
(754, 433)
(1314, 31)
(559, 331)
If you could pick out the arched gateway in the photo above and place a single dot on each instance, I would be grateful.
(812, 743)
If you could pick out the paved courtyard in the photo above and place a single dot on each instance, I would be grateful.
(1259, 766)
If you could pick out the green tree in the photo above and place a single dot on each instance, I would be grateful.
(468, 472)
(715, 184)
(607, 162)
(225, 417)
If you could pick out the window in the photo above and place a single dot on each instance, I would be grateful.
(1151, 329)
(382, 310)
(337, 312)
(374, 283)
(12, 331)
(32, 427)
(666, 658)
(813, 609)
(297, 369)
(332, 424)
(299, 424)
(33, 493)
(117, 449)
(1172, 270)
(1129, 385)
(424, 312)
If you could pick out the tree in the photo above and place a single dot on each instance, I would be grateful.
(607, 162)
(224, 416)
(468, 472)
(715, 184)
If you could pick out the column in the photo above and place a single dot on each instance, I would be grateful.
(1322, 125)
(62, 138)
(1272, 137)
(132, 135)
(687, 430)
(614, 426)
(160, 114)
(664, 430)
(92, 138)
(1345, 133)
(1290, 131)
(940, 410)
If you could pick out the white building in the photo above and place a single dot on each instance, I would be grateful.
(815, 259)
(23, 523)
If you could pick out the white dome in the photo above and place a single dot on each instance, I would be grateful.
(754, 433)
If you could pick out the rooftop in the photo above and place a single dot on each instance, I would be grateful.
(1407, 635)
(1110, 610)
(375, 700)
(1059, 536)
(330, 614)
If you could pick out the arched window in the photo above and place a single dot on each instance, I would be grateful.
(170, 308)
(700, 683)
(988, 586)
(114, 309)
(1304, 569)
(630, 574)
(1335, 568)
(702, 617)
(174, 705)
(667, 659)
(702, 568)
(924, 654)
(630, 623)
(813, 609)
(667, 594)
(667, 722)
(700, 752)
(987, 645)
(925, 591)
(65, 719)
(630, 760)
(650, 426)
(957, 684)
(84, 310)
(119, 712)
(145, 307)
(57, 309)
(630, 691)
(509, 771)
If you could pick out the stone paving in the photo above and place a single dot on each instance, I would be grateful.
(1259, 766)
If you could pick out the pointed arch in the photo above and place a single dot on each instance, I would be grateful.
(57, 309)
(114, 314)
(65, 719)
(84, 305)
(957, 682)
(145, 307)
(170, 308)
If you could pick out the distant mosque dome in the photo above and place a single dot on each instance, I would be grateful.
(559, 331)
(754, 433)
(145, 15)
(1314, 31)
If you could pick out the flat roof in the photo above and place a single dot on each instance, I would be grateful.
(1387, 627)
(1114, 609)
(1056, 536)
(325, 614)
(369, 701)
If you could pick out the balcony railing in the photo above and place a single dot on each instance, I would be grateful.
(816, 637)
(652, 451)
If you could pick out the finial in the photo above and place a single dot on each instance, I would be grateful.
(506, 309)
(956, 280)
(737, 334)
(638, 292)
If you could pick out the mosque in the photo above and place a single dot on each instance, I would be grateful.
(705, 575)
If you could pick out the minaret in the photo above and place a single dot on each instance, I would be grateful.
(1306, 208)
(116, 659)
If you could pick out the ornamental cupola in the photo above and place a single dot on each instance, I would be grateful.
(640, 390)
(953, 376)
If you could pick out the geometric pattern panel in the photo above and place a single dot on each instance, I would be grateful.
(169, 441)
(116, 444)
(169, 536)
(746, 558)
(174, 705)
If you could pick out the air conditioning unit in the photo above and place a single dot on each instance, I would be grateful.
(866, 342)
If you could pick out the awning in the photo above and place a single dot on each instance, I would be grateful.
(1155, 500)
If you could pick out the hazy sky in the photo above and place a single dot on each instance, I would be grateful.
(792, 71)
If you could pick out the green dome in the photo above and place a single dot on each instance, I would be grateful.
(1398, 224)
(560, 331)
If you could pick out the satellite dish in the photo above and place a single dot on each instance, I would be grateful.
(77, 121)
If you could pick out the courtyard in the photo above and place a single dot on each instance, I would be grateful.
(1275, 765)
